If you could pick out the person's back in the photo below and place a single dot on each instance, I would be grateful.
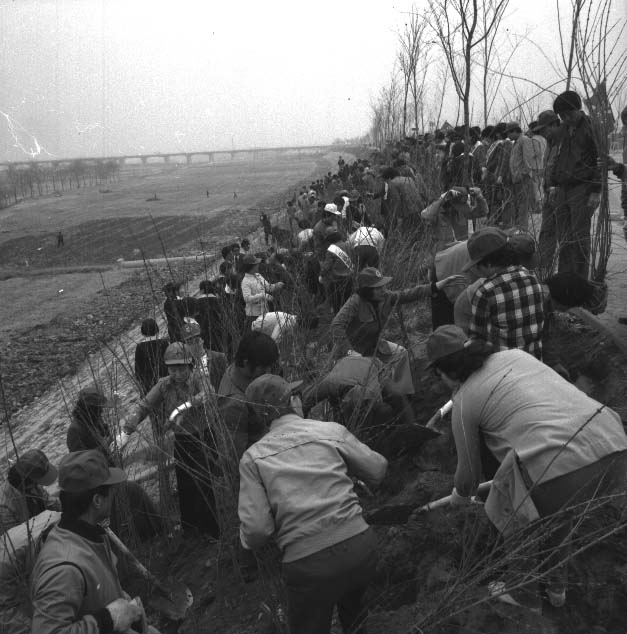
(304, 466)
(149, 365)
(523, 404)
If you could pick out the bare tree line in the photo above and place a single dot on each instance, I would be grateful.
(18, 183)
(462, 43)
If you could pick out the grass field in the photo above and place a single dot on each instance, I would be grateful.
(56, 307)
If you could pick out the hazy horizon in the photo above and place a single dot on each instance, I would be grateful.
(108, 77)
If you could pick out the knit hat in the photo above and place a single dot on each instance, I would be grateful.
(445, 340)
(82, 471)
(483, 242)
(370, 277)
(567, 102)
(34, 465)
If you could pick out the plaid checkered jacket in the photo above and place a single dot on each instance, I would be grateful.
(508, 312)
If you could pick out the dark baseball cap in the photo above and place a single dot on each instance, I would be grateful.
(372, 278)
(82, 471)
(270, 389)
(524, 247)
(445, 340)
(34, 465)
(483, 242)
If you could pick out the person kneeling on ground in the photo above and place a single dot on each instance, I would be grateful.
(295, 485)
(556, 449)
(22, 495)
(362, 319)
(75, 584)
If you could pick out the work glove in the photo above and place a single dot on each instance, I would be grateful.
(180, 409)
(459, 500)
(124, 614)
(120, 441)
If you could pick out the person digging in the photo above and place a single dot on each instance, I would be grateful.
(561, 456)
(296, 487)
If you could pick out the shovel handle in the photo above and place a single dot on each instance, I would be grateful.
(141, 569)
(440, 414)
(482, 488)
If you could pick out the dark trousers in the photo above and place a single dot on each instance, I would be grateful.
(338, 575)
(194, 483)
(441, 310)
(573, 219)
(565, 498)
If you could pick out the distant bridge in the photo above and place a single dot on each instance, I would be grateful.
(209, 156)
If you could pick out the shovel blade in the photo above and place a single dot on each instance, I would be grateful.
(172, 599)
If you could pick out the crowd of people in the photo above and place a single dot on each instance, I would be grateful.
(216, 384)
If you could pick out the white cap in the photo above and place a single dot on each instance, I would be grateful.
(332, 209)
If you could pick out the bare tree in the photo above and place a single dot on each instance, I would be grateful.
(413, 55)
(461, 27)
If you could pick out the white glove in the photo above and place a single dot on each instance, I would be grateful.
(120, 440)
(459, 500)
(123, 614)
(179, 410)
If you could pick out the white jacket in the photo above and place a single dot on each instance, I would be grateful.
(255, 290)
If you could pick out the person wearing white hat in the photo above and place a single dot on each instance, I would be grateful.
(331, 220)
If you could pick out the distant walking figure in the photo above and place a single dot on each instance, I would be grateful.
(59, 239)
(234, 195)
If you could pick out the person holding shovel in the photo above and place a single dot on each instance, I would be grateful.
(560, 454)
(75, 583)
(295, 486)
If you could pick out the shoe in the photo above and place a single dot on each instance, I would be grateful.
(556, 596)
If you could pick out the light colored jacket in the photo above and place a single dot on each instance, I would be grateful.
(295, 484)
(255, 290)
(522, 405)
(522, 159)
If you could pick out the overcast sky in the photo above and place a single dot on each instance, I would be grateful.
(112, 77)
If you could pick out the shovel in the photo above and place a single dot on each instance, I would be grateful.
(400, 513)
(176, 599)
(440, 414)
